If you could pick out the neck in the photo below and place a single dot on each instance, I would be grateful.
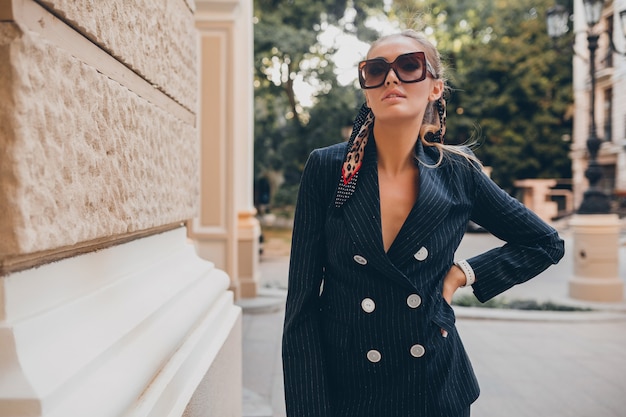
(395, 146)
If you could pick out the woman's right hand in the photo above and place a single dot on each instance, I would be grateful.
(454, 279)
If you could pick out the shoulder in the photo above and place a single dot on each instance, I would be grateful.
(326, 161)
(461, 167)
(462, 153)
(330, 154)
(325, 164)
(456, 159)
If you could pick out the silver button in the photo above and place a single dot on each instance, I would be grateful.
(421, 254)
(373, 356)
(414, 300)
(368, 305)
(417, 351)
(359, 260)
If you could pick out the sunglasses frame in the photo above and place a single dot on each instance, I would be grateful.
(428, 69)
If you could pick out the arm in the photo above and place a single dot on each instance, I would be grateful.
(303, 363)
(531, 245)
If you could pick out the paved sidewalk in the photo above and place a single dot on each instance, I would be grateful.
(528, 363)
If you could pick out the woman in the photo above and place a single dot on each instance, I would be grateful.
(369, 330)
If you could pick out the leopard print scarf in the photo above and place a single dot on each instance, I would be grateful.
(354, 157)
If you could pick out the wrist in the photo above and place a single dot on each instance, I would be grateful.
(464, 266)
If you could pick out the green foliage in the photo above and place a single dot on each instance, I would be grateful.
(286, 48)
(511, 89)
(511, 86)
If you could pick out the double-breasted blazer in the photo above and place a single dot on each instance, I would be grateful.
(362, 333)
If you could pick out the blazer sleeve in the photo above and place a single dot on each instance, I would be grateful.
(531, 244)
(306, 392)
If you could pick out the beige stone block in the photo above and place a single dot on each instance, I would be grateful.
(83, 157)
(596, 258)
(248, 233)
(155, 38)
(536, 196)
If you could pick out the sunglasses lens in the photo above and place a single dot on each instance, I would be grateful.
(410, 67)
(374, 72)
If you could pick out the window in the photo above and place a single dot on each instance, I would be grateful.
(607, 116)
(608, 61)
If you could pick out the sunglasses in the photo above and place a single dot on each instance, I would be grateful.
(409, 68)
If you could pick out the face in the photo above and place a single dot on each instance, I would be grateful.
(396, 99)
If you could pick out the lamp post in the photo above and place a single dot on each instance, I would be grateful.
(595, 201)
(595, 231)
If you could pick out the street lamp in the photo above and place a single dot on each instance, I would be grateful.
(595, 231)
(595, 201)
(593, 11)
(557, 18)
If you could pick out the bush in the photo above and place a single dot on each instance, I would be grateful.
(286, 195)
(471, 301)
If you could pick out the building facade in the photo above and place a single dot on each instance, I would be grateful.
(610, 101)
(127, 228)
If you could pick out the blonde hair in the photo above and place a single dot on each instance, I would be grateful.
(431, 123)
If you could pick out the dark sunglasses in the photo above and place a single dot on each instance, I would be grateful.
(409, 68)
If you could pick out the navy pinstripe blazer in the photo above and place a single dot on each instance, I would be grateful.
(355, 343)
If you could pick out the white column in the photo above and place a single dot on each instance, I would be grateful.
(129, 330)
(248, 226)
(227, 231)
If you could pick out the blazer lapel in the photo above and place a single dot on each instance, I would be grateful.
(362, 215)
(430, 210)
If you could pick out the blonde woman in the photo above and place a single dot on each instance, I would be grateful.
(369, 331)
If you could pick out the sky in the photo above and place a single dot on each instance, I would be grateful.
(349, 51)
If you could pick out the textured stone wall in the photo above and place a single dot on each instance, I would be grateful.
(84, 158)
(155, 38)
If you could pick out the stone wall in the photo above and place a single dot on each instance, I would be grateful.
(106, 309)
(93, 152)
(154, 38)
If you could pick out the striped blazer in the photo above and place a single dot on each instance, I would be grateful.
(362, 326)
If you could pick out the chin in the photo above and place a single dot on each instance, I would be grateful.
(397, 115)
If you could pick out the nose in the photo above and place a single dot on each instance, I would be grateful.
(391, 77)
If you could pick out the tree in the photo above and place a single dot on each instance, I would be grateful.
(511, 88)
(286, 49)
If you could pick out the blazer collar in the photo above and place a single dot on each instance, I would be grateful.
(355, 155)
(361, 212)
(360, 204)
(430, 210)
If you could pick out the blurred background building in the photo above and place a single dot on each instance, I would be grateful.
(610, 100)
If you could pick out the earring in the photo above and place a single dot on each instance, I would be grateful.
(441, 109)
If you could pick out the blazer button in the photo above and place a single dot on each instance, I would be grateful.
(373, 356)
(414, 301)
(359, 260)
(368, 305)
(421, 254)
(417, 351)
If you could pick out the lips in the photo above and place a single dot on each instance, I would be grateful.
(393, 94)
